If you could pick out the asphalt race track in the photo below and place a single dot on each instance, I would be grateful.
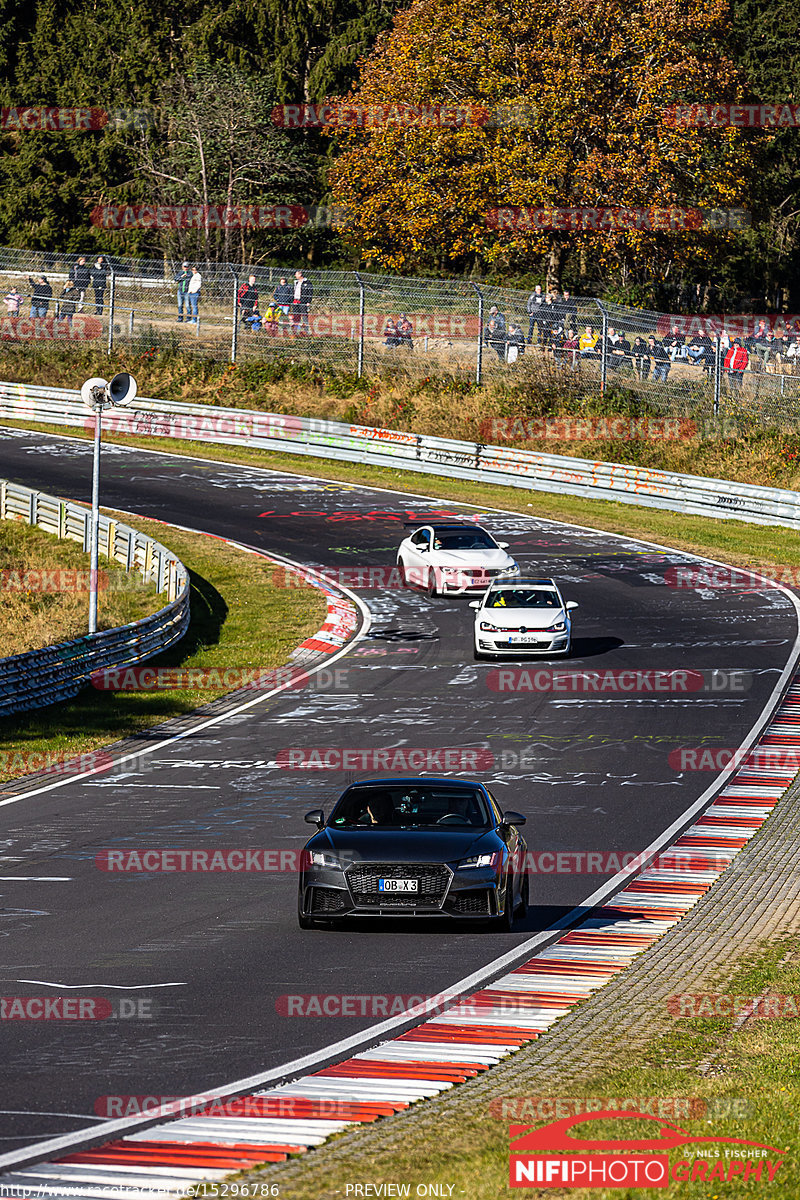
(209, 956)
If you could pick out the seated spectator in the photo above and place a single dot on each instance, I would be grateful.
(736, 362)
(700, 352)
(390, 336)
(253, 320)
(571, 349)
(756, 345)
(793, 353)
(775, 350)
(272, 318)
(405, 332)
(674, 344)
(588, 343)
(660, 359)
(641, 358)
(618, 352)
(494, 335)
(516, 338)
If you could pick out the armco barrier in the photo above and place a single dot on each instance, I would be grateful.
(413, 452)
(40, 677)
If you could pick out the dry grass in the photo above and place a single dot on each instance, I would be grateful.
(34, 614)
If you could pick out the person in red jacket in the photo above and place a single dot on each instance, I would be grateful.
(735, 363)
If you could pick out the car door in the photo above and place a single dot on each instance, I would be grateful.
(419, 546)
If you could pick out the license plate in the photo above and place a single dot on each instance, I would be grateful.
(523, 641)
(398, 885)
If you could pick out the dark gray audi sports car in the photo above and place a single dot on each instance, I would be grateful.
(414, 848)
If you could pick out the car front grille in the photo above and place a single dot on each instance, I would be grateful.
(433, 880)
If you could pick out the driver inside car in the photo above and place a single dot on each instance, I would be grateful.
(378, 811)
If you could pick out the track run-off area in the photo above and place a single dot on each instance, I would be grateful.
(199, 967)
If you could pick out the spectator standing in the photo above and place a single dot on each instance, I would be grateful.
(390, 334)
(282, 299)
(301, 303)
(569, 311)
(498, 318)
(735, 363)
(12, 301)
(99, 274)
(68, 303)
(247, 297)
(571, 349)
(494, 335)
(550, 314)
(660, 359)
(41, 295)
(516, 338)
(183, 280)
(641, 358)
(775, 350)
(80, 277)
(533, 309)
(405, 331)
(193, 296)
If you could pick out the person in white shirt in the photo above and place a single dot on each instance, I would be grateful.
(303, 293)
(193, 295)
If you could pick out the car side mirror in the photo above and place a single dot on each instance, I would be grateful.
(315, 817)
(503, 545)
(572, 604)
(474, 603)
(513, 818)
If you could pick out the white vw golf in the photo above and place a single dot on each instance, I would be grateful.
(453, 559)
(523, 616)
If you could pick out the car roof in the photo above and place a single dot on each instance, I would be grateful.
(523, 581)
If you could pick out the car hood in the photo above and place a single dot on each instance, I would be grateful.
(473, 558)
(400, 845)
(529, 618)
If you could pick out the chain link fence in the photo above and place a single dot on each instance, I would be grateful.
(367, 324)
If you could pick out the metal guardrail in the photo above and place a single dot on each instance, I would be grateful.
(40, 677)
(413, 452)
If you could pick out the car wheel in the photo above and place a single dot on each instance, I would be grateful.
(524, 898)
(431, 588)
(506, 923)
(401, 566)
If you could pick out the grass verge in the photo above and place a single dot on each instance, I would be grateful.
(44, 597)
(241, 620)
(713, 1079)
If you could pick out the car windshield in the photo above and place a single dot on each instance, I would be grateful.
(411, 806)
(463, 539)
(523, 598)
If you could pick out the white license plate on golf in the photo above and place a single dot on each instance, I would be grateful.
(398, 885)
(523, 641)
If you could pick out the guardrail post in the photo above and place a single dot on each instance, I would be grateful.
(479, 362)
(361, 290)
(717, 373)
(112, 293)
(130, 324)
(235, 334)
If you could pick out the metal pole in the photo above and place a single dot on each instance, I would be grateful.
(360, 323)
(235, 335)
(111, 298)
(479, 363)
(603, 348)
(717, 373)
(95, 527)
(130, 324)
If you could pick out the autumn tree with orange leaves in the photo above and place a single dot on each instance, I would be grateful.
(596, 77)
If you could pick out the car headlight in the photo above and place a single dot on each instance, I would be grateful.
(478, 860)
(512, 570)
(559, 627)
(323, 858)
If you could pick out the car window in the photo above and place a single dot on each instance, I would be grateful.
(421, 537)
(523, 598)
(428, 806)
